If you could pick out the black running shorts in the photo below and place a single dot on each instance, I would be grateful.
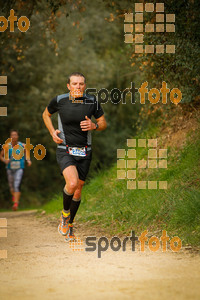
(82, 164)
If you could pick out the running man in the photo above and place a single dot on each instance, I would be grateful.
(73, 136)
(14, 167)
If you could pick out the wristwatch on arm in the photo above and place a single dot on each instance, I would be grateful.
(97, 126)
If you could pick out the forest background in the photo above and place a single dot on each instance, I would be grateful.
(88, 37)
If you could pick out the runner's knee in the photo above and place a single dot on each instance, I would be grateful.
(17, 186)
(71, 186)
(17, 189)
(77, 193)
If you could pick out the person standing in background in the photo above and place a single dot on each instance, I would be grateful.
(14, 167)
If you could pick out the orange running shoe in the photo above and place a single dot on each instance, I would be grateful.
(15, 206)
(63, 226)
(70, 235)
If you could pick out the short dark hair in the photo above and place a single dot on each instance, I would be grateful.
(14, 130)
(75, 74)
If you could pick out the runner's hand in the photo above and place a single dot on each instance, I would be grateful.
(29, 163)
(6, 161)
(56, 138)
(87, 124)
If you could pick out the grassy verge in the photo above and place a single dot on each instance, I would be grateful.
(107, 202)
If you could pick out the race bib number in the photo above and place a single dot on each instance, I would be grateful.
(77, 151)
(15, 164)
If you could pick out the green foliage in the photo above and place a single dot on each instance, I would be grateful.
(180, 70)
(106, 201)
(86, 36)
(37, 64)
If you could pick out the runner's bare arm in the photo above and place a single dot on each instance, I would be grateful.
(101, 123)
(54, 133)
(6, 161)
(27, 160)
(89, 125)
(1, 155)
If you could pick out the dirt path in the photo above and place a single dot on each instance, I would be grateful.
(40, 265)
